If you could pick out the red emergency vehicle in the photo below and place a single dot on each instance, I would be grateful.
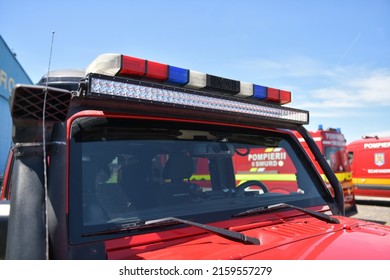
(270, 165)
(370, 163)
(112, 170)
(333, 146)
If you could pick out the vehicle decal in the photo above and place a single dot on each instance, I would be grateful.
(379, 159)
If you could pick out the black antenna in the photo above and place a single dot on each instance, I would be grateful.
(44, 148)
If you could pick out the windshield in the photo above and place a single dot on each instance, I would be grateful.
(126, 172)
(337, 158)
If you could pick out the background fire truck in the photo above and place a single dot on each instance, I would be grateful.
(274, 168)
(333, 146)
(271, 166)
(370, 164)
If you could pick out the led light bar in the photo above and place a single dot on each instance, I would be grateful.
(128, 66)
(133, 91)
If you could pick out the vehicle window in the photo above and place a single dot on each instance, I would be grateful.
(123, 172)
(337, 158)
(350, 157)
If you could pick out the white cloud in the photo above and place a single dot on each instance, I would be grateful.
(332, 114)
(352, 89)
(326, 90)
(375, 88)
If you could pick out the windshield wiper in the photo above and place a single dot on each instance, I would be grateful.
(117, 230)
(225, 233)
(140, 225)
(279, 206)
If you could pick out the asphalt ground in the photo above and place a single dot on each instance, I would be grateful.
(373, 209)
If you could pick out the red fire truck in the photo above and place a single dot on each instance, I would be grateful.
(370, 162)
(104, 170)
(333, 146)
(272, 166)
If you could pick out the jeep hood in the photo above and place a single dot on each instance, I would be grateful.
(306, 238)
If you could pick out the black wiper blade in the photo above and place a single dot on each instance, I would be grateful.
(169, 221)
(123, 228)
(279, 206)
(225, 233)
(128, 227)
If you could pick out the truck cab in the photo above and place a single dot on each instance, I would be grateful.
(370, 162)
(140, 162)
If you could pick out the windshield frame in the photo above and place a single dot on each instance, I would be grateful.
(75, 198)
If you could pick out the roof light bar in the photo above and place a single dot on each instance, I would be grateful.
(127, 66)
(259, 92)
(132, 66)
(197, 80)
(222, 84)
(246, 89)
(156, 71)
(177, 76)
(126, 89)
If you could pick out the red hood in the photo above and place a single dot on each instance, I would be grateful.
(306, 238)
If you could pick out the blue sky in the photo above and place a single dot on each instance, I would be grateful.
(333, 55)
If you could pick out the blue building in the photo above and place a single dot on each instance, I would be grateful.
(11, 73)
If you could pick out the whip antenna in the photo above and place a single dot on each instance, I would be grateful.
(44, 149)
